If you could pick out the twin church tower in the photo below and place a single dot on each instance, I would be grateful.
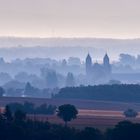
(98, 71)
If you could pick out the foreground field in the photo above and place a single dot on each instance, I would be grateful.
(101, 119)
(100, 114)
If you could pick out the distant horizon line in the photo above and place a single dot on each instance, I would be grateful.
(76, 37)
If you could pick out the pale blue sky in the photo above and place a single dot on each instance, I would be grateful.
(70, 18)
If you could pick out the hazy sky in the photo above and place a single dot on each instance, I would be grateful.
(70, 18)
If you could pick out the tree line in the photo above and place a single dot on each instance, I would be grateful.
(30, 108)
(123, 92)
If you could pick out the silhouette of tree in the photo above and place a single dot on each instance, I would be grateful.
(8, 114)
(4, 78)
(130, 113)
(19, 115)
(64, 63)
(90, 133)
(124, 131)
(30, 108)
(2, 91)
(70, 82)
(51, 78)
(67, 112)
(28, 89)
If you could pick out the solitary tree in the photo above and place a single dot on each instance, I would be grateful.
(67, 112)
(130, 113)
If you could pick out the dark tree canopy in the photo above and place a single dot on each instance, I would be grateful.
(90, 134)
(8, 114)
(20, 115)
(67, 112)
(130, 113)
(122, 92)
(124, 131)
(30, 108)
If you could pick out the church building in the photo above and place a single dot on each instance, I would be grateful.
(98, 73)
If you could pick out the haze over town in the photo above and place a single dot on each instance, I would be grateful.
(69, 69)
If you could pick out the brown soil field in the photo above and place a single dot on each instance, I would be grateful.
(80, 104)
(101, 119)
(99, 114)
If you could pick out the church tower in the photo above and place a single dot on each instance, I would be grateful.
(106, 64)
(88, 65)
(106, 60)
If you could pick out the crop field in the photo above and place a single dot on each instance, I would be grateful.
(99, 114)
(90, 118)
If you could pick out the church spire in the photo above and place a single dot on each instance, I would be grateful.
(88, 64)
(106, 64)
(106, 60)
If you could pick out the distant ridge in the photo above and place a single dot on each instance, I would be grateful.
(34, 41)
(66, 47)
